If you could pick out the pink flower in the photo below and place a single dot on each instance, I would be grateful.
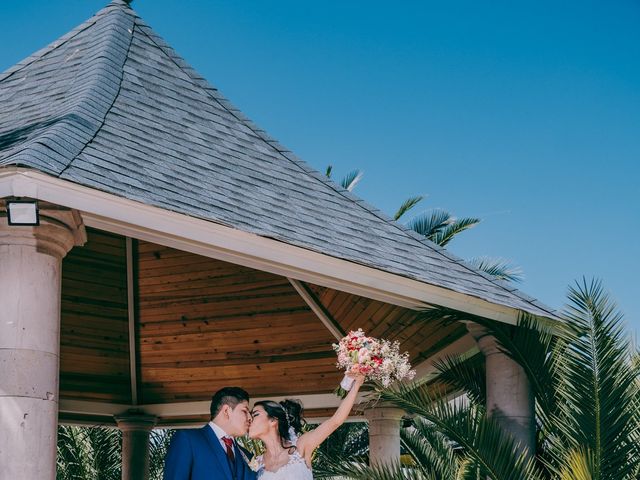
(378, 360)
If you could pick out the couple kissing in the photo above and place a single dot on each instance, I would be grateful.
(212, 452)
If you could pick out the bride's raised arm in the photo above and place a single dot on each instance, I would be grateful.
(308, 442)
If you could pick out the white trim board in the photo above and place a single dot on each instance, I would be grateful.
(137, 220)
(181, 409)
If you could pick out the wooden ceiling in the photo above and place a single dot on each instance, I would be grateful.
(206, 323)
(94, 350)
(202, 323)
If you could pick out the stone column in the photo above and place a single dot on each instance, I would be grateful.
(136, 428)
(384, 434)
(30, 278)
(509, 397)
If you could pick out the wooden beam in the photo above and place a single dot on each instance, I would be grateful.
(131, 308)
(316, 306)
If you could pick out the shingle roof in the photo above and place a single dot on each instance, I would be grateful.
(111, 106)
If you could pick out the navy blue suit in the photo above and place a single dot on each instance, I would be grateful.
(198, 455)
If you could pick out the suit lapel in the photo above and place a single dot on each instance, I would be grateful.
(240, 462)
(218, 453)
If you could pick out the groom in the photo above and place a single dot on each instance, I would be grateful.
(211, 452)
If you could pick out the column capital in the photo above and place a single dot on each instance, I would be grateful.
(135, 421)
(487, 344)
(136, 429)
(384, 411)
(60, 230)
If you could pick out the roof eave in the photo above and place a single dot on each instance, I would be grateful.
(134, 219)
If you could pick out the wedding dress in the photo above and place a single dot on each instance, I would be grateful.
(295, 469)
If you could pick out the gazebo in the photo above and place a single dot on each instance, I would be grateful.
(156, 245)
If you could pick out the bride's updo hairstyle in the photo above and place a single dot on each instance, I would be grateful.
(288, 413)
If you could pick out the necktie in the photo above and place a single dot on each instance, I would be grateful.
(228, 442)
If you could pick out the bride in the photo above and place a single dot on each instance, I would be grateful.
(287, 456)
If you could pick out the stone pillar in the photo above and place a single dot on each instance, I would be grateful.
(384, 434)
(136, 428)
(509, 397)
(30, 278)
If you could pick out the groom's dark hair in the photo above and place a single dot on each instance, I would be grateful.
(231, 396)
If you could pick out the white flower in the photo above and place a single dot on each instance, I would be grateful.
(379, 358)
(254, 464)
(363, 355)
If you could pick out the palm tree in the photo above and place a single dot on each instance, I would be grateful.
(586, 383)
(94, 453)
(348, 441)
(349, 181)
(498, 267)
(88, 453)
(440, 227)
(159, 441)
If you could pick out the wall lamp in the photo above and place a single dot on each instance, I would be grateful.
(23, 212)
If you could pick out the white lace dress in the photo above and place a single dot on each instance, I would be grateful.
(295, 469)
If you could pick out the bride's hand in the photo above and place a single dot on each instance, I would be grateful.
(358, 378)
(310, 440)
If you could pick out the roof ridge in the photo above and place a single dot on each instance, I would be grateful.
(64, 137)
(305, 167)
(112, 102)
(58, 42)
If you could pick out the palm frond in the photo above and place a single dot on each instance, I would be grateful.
(598, 389)
(159, 441)
(72, 450)
(431, 452)
(355, 469)
(466, 375)
(443, 316)
(349, 441)
(407, 205)
(350, 180)
(498, 267)
(106, 453)
(88, 453)
(453, 228)
(328, 171)
(578, 465)
(481, 439)
(531, 345)
(586, 380)
(528, 345)
(431, 222)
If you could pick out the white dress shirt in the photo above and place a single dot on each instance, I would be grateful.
(220, 433)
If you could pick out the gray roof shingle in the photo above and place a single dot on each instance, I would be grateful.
(111, 106)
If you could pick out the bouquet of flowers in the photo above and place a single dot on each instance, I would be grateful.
(376, 359)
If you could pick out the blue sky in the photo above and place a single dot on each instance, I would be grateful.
(526, 114)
